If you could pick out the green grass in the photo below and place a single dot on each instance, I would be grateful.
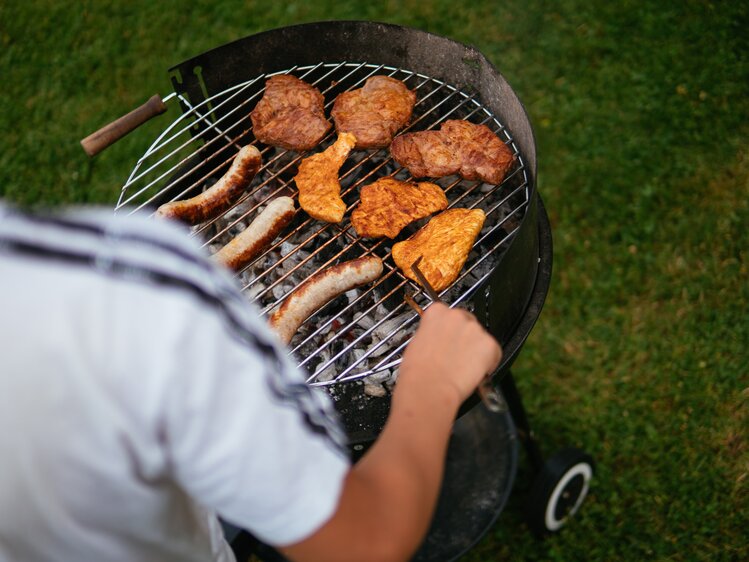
(641, 115)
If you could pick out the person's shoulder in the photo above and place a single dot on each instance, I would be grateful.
(124, 246)
(164, 251)
(98, 227)
(138, 229)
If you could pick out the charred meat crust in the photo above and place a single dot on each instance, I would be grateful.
(221, 196)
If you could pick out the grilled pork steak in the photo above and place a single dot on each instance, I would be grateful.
(375, 112)
(472, 151)
(290, 114)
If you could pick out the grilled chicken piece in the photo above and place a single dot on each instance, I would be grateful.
(444, 244)
(317, 180)
(459, 147)
(375, 112)
(388, 205)
(290, 114)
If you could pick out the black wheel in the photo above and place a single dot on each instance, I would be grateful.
(559, 490)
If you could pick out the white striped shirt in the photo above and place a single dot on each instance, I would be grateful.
(140, 394)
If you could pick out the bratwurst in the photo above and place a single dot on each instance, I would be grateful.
(221, 196)
(319, 290)
(250, 243)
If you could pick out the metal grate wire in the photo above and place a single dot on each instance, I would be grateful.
(365, 331)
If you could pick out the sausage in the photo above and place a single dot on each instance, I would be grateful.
(319, 290)
(219, 197)
(249, 243)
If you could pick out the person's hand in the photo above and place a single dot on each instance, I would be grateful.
(390, 495)
(450, 351)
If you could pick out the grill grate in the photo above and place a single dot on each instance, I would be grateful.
(363, 332)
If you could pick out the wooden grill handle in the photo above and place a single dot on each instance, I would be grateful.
(109, 134)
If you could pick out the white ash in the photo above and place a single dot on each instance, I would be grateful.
(392, 332)
(374, 385)
(214, 247)
(388, 326)
(365, 321)
(287, 248)
(358, 354)
(374, 389)
(380, 384)
(281, 290)
(253, 290)
(352, 295)
(329, 372)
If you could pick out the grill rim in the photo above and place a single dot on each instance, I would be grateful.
(424, 53)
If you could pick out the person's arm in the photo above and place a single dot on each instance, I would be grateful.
(389, 496)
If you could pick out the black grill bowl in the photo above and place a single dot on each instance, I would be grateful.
(511, 298)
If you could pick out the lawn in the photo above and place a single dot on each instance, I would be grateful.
(641, 113)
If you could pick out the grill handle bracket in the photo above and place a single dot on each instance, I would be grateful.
(114, 131)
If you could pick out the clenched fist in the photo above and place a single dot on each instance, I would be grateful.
(450, 351)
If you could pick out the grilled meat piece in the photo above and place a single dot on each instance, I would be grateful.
(459, 147)
(444, 244)
(318, 290)
(388, 205)
(375, 112)
(317, 180)
(218, 198)
(263, 230)
(290, 114)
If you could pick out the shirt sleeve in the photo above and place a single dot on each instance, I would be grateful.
(247, 437)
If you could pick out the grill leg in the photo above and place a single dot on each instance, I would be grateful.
(515, 404)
